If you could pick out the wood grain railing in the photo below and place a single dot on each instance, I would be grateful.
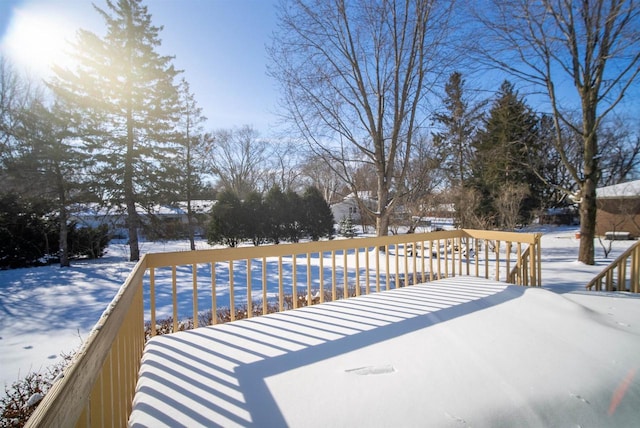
(623, 274)
(99, 386)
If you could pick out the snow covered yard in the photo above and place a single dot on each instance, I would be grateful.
(46, 311)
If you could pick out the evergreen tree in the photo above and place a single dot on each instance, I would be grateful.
(124, 94)
(52, 162)
(192, 140)
(253, 214)
(503, 149)
(276, 214)
(459, 122)
(318, 219)
(347, 228)
(28, 234)
(293, 217)
(227, 222)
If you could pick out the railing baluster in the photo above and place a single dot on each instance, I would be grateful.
(294, 279)
(508, 258)
(194, 273)
(309, 296)
(232, 299)
(321, 256)
(446, 259)
(477, 255)
(519, 264)
(414, 256)
(174, 297)
(376, 251)
(532, 265)
(265, 303)
(387, 267)
(357, 267)
(152, 299)
(430, 260)
(397, 264)
(497, 249)
(367, 279)
(345, 282)
(486, 259)
(280, 285)
(333, 276)
(214, 305)
(249, 291)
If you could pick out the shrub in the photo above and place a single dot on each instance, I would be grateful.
(28, 232)
(23, 396)
(89, 242)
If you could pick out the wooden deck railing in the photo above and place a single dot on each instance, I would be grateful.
(98, 387)
(623, 274)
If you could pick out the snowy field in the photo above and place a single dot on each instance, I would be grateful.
(47, 311)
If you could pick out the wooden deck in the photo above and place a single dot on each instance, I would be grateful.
(461, 351)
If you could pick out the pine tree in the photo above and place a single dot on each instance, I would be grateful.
(347, 228)
(293, 216)
(503, 149)
(459, 122)
(227, 222)
(276, 213)
(52, 162)
(192, 141)
(253, 215)
(318, 218)
(124, 94)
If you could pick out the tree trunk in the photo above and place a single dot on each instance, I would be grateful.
(587, 222)
(590, 182)
(383, 212)
(129, 196)
(64, 216)
(190, 225)
(64, 233)
(588, 204)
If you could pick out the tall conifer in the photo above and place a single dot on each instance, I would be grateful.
(127, 101)
(503, 149)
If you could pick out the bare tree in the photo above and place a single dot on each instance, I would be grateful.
(620, 149)
(552, 44)
(355, 76)
(284, 168)
(322, 176)
(16, 94)
(424, 181)
(508, 203)
(237, 159)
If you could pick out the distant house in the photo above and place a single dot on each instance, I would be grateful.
(158, 220)
(618, 209)
(349, 206)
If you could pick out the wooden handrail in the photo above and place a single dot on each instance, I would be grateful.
(98, 387)
(615, 274)
(115, 344)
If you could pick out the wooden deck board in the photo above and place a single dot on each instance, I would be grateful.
(445, 353)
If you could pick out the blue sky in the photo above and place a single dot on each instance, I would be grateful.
(220, 45)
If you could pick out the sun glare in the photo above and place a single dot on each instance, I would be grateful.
(38, 38)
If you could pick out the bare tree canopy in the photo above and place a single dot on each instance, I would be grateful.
(355, 76)
(583, 55)
(237, 159)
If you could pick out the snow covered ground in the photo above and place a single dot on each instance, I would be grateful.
(47, 311)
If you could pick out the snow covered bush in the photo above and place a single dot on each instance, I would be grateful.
(23, 396)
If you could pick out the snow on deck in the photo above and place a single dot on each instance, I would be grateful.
(457, 352)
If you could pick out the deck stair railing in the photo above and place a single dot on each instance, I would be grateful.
(623, 274)
(98, 387)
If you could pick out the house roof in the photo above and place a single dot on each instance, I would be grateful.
(630, 189)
